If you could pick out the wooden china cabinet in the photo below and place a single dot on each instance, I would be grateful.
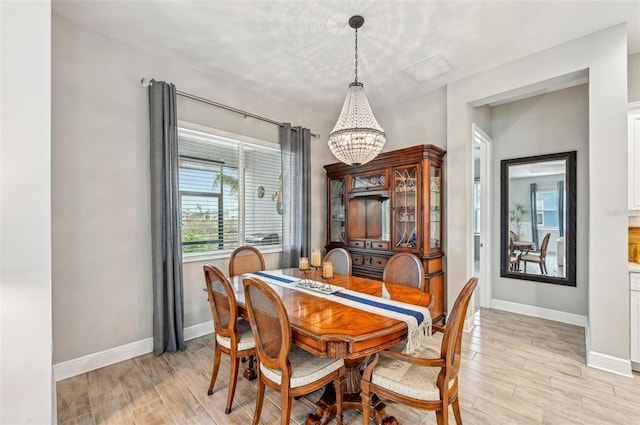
(389, 205)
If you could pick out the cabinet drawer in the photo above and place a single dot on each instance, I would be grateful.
(369, 260)
(357, 244)
(380, 245)
(357, 259)
(634, 281)
(360, 243)
(378, 261)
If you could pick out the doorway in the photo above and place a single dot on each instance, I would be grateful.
(482, 217)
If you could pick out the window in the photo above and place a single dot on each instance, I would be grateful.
(540, 212)
(230, 192)
(547, 208)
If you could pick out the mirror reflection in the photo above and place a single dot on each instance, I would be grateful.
(538, 218)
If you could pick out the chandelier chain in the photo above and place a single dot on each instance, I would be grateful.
(356, 55)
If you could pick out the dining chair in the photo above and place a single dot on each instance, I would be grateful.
(426, 379)
(341, 260)
(282, 366)
(405, 269)
(233, 334)
(245, 259)
(514, 261)
(539, 257)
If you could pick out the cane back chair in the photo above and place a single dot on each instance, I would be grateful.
(282, 366)
(233, 334)
(427, 379)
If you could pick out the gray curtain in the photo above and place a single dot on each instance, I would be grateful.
(295, 144)
(560, 208)
(166, 240)
(534, 215)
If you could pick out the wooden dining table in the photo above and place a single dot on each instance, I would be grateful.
(330, 329)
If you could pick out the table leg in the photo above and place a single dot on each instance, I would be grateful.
(326, 409)
(250, 372)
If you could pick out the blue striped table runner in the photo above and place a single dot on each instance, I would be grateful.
(417, 318)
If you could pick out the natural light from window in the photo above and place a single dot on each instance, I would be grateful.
(230, 192)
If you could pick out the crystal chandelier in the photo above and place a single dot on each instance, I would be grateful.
(357, 137)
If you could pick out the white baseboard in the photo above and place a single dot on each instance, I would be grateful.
(469, 323)
(609, 363)
(196, 331)
(604, 361)
(114, 355)
(543, 313)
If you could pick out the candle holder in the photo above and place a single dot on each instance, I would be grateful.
(303, 266)
(326, 273)
(324, 285)
(319, 283)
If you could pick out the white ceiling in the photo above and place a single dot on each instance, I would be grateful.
(303, 50)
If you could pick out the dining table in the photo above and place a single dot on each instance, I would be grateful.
(524, 246)
(332, 329)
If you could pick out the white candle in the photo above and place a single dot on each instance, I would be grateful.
(327, 270)
(316, 258)
(303, 263)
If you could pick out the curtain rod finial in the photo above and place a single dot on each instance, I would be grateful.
(145, 82)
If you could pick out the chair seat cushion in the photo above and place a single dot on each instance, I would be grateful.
(246, 340)
(531, 257)
(417, 382)
(305, 368)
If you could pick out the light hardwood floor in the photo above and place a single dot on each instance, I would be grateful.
(516, 370)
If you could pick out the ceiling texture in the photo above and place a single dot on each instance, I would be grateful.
(303, 51)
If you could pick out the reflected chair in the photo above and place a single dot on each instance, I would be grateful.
(245, 259)
(284, 367)
(514, 260)
(538, 256)
(404, 269)
(233, 334)
(426, 379)
(341, 260)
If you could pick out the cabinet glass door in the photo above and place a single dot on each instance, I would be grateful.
(435, 201)
(369, 181)
(405, 207)
(336, 210)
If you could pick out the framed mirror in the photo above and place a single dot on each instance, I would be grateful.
(538, 218)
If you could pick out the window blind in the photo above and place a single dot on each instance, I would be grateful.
(230, 192)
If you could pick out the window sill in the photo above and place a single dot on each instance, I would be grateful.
(224, 254)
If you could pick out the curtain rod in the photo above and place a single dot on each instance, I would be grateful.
(146, 83)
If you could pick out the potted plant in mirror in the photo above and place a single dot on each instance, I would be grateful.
(515, 217)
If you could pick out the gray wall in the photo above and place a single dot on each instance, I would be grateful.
(608, 294)
(26, 311)
(100, 184)
(417, 121)
(101, 279)
(551, 123)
